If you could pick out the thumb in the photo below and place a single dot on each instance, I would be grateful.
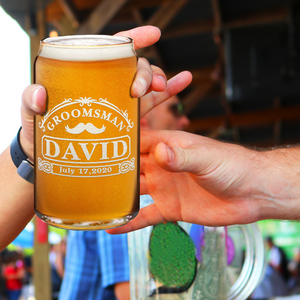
(176, 159)
(33, 103)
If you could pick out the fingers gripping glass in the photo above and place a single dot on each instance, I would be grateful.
(177, 109)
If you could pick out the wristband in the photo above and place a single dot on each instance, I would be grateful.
(19, 158)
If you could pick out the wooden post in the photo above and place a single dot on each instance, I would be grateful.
(41, 266)
(36, 28)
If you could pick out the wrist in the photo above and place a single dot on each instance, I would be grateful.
(20, 159)
(27, 146)
(280, 184)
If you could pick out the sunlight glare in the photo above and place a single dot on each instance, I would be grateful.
(14, 75)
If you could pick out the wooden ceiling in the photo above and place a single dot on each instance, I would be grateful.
(192, 39)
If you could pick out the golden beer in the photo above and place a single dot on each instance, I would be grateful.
(87, 141)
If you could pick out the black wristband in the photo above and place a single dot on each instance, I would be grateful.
(20, 159)
(16, 152)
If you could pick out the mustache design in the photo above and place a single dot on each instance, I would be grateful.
(89, 127)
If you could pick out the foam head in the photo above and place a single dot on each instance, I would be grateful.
(87, 48)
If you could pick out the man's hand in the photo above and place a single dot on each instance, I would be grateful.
(199, 180)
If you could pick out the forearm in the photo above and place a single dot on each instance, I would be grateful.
(278, 185)
(16, 200)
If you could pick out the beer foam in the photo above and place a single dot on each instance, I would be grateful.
(87, 48)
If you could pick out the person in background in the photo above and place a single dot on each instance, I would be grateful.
(3, 256)
(170, 115)
(14, 273)
(272, 285)
(294, 269)
(57, 264)
(28, 287)
(278, 259)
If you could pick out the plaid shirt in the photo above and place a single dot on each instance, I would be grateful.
(95, 261)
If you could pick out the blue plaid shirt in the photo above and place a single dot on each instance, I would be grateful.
(95, 261)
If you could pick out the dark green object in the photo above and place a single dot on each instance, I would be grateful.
(172, 256)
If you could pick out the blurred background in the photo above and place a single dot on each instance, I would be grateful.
(244, 57)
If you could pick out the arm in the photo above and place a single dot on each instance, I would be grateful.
(16, 200)
(17, 194)
(213, 183)
(122, 290)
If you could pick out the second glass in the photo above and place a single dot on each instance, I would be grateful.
(183, 261)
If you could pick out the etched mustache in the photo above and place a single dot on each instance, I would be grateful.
(89, 127)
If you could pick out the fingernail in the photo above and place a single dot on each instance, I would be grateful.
(170, 153)
(142, 86)
(34, 104)
(163, 80)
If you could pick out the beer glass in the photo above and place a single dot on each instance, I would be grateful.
(87, 141)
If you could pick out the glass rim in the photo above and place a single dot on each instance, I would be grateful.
(122, 41)
(94, 48)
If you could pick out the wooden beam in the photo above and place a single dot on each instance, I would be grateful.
(191, 28)
(254, 118)
(64, 26)
(53, 12)
(196, 95)
(261, 17)
(143, 4)
(217, 14)
(101, 15)
(278, 123)
(70, 11)
(200, 76)
(36, 34)
(151, 51)
(167, 11)
(161, 18)
(206, 26)
(137, 16)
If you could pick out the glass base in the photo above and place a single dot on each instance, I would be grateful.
(81, 225)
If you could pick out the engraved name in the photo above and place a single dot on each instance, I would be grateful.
(86, 151)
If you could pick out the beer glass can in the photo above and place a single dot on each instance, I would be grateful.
(87, 140)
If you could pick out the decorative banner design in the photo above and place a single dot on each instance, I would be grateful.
(86, 171)
(45, 166)
(81, 157)
(127, 166)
